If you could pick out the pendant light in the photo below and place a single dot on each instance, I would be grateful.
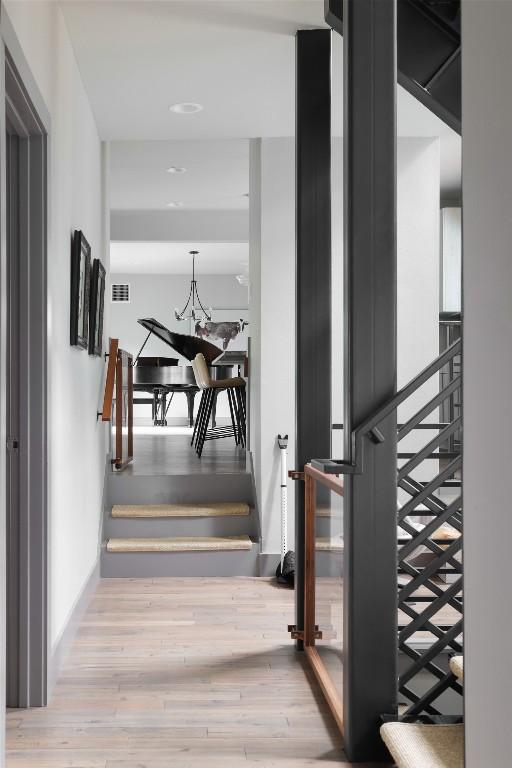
(195, 309)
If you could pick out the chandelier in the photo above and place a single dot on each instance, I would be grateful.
(193, 302)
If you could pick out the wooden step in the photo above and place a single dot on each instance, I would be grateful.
(217, 509)
(180, 544)
(413, 745)
(457, 666)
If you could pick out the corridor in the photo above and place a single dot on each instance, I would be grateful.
(182, 673)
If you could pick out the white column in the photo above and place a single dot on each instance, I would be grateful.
(272, 316)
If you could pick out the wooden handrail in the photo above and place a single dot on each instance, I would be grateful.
(335, 483)
(108, 396)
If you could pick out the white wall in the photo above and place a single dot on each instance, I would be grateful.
(272, 273)
(487, 369)
(451, 259)
(180, 226)
(418, 185)
(272, 301)
(157, 296)
(77, 443)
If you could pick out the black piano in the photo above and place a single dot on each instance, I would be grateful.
(162, 377)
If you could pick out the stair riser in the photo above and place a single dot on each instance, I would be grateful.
(117, 527)
(155, 564)
(180, 489)
(329, 565)
(328, 527)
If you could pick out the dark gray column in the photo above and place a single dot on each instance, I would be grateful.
(370, 631)
(313, 286)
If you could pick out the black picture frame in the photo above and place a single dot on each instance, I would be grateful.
(80, 286)
(96, 308)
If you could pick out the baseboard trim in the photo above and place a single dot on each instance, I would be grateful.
(268, 562)
(64, 642)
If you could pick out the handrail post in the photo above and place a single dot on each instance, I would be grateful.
(309, 560)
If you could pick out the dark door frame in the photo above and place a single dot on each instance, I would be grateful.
(313, 268)
(27, 531)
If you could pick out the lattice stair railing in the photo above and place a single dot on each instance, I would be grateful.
(424, 634)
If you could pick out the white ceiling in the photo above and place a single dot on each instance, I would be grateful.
(216, 177)
(236, 58)
(174, 258)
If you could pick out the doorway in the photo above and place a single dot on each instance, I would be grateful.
(26, 386)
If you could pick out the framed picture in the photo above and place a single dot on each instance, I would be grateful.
(228, 328)
(80, 278)
(96, 306)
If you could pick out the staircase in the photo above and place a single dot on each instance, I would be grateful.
(428, 53)
(182, 525)
(414, 745)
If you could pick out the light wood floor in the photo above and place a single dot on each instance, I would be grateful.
(181, 673)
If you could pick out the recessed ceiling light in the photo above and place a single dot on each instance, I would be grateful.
(175, 204)
(176, 169)
(186, 108)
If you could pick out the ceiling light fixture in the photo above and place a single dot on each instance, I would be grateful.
(186, 108)
(193, 297)
(176, 169)
(175, 204)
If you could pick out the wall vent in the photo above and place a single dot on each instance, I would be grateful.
(120, 293)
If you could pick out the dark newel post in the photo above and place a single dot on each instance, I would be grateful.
(313, 274)
(370, 607)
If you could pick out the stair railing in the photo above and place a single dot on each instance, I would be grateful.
(429, 564)
(118, 403)
(110, 379)
(369, 427)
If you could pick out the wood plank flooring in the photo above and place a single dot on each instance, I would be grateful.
(181, 673)
(160, 451)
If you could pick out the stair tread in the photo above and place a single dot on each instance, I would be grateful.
(414, 745)
(216, 509)
(457, 666)
(329, 512)
(325, 544)
(180, 544)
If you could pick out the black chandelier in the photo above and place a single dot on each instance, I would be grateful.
(193, 299)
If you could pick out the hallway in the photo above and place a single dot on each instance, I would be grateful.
(181, 672)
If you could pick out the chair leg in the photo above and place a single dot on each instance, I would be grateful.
(241, 412)
(198, 417)
(232, 411)
(203, 425)
(206, 421)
